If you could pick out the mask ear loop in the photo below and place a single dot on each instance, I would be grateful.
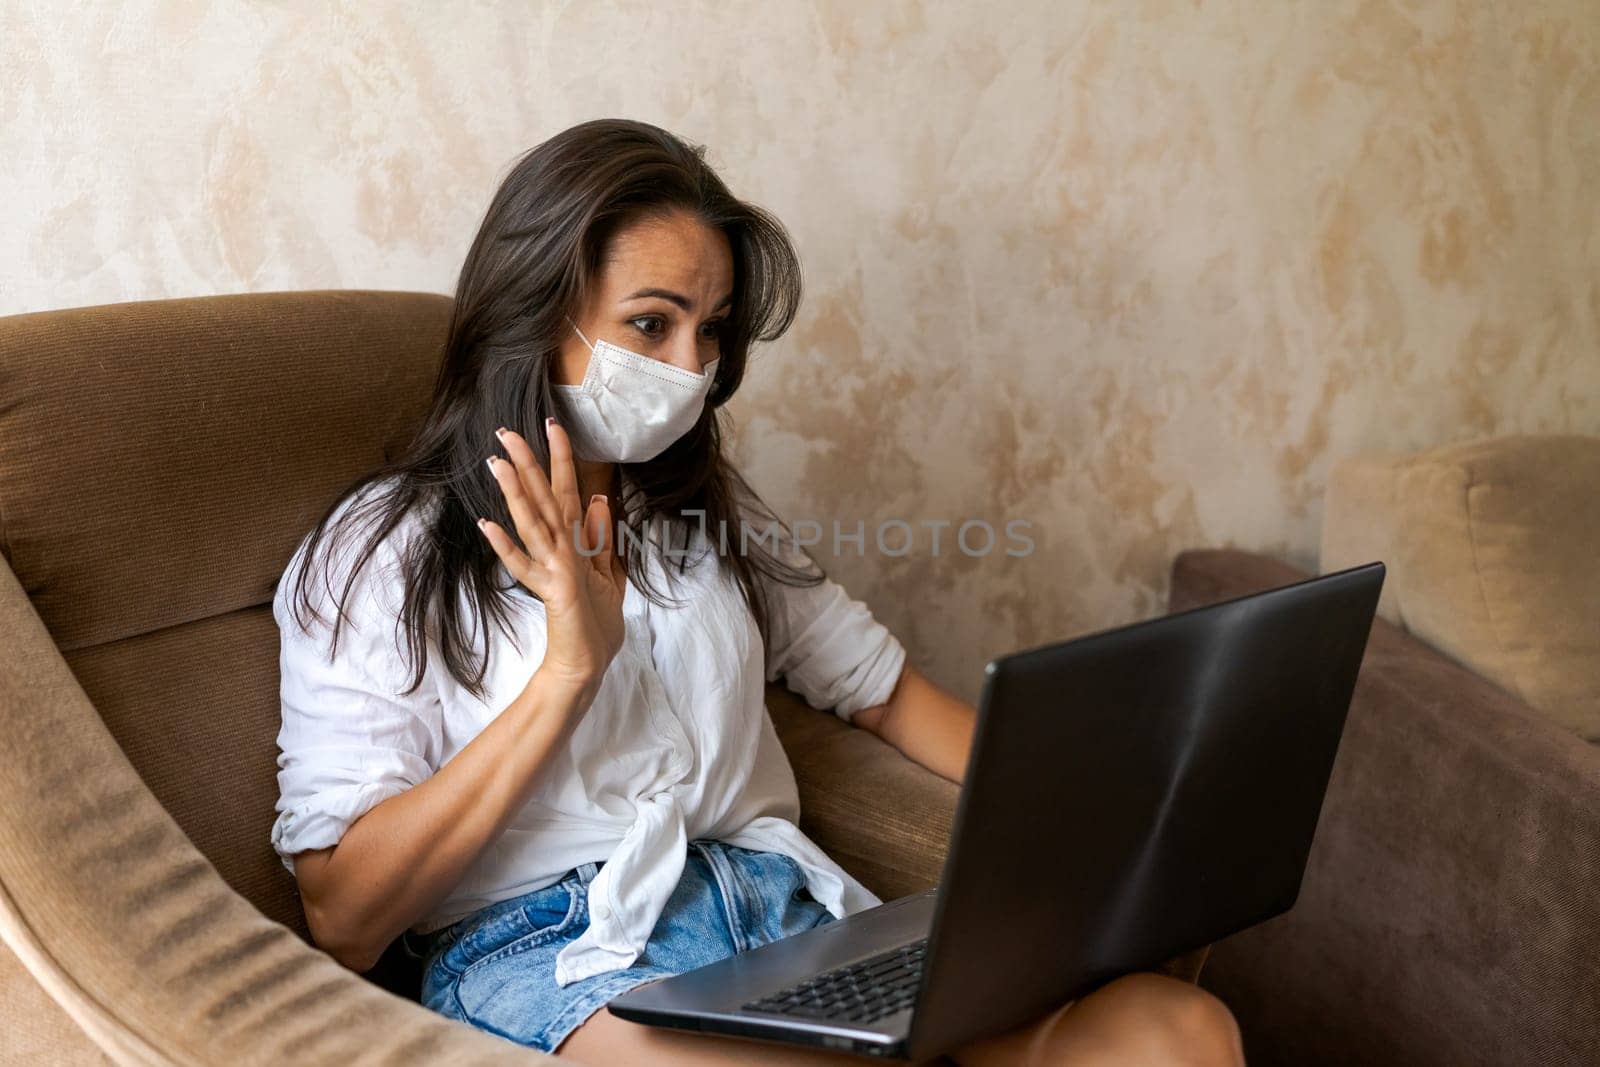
(580, 333)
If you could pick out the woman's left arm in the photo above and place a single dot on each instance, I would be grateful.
(830, 650)
(926, 723)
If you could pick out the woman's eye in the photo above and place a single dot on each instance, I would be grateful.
(652, 325)
(713, 329)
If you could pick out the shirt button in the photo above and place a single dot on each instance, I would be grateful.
(600, 909)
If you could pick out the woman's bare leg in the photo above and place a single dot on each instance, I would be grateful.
(1142, 1018)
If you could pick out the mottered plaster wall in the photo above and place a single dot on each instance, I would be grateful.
(1134, 273)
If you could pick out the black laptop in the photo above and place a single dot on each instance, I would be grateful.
(1131, 795)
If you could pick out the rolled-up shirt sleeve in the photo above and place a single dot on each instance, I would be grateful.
(826, 645)
(349, 739)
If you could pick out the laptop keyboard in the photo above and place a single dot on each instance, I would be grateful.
(861, 992)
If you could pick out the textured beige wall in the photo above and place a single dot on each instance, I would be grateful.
(1134, 272)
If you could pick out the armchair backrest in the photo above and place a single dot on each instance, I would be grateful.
(159, 463)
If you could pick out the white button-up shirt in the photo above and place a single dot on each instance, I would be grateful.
(677, 744)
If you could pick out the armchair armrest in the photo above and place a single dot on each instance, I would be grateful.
(1448, 913)
(131, 930)
(885, 818)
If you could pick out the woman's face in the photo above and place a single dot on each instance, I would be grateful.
(664, 290)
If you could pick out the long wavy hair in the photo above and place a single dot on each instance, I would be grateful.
(536, 256)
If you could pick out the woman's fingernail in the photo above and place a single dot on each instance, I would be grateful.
(501, 433)
(598, 496)
(480, 526)
(551, 421)
(490, 462)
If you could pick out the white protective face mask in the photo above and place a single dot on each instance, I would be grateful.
(630, 407)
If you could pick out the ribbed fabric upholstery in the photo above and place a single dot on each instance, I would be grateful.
(133, 931)
(159, 461)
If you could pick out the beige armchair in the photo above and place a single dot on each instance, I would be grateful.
(159, 462)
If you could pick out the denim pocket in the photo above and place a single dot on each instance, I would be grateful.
(510, 926)
(803, 893)
(799, 873)
(771, 900)
(770, 871)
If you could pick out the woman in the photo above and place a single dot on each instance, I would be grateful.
(598, 798)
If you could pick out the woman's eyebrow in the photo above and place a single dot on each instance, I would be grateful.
(677, 298)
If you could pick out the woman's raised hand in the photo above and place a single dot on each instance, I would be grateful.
(582, 590)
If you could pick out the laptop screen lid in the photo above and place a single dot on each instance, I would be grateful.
(1137, 793)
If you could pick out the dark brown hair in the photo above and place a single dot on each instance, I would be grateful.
(532, 263)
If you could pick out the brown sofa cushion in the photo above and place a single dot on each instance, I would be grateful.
(1491, 550)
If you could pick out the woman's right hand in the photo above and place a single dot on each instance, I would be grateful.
(582, 591)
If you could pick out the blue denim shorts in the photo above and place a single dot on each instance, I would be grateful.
(495, 969)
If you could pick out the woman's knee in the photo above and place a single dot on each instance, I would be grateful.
(1181, 1023)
